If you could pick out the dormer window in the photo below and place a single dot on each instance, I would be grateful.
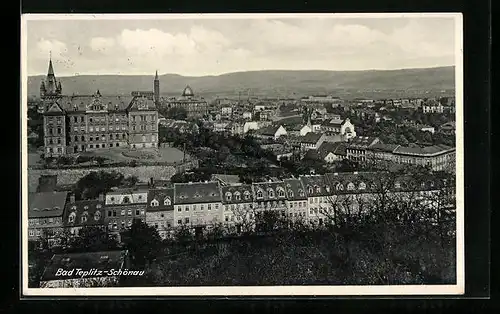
(237, 196)
(270, 192)
(397, 185)
(373, 186)
(281, 192)
(126, 200)
(362, 186)
(327, 188)
(339, 187)
(350, 186)
(97, 215)
(84, 217)
(310, 190)
(73, 208)
(98, 206)
(259, 194)
(317, 188)
(228, 196)
(71, 218)
(301, 192)
(85, 207)
(290, 193)
(166, 201)
(197, 195)
(154, 203)
(247, 195)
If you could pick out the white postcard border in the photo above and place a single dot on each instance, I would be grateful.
(311, 290)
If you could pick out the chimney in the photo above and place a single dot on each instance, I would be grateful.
(336, 174)
(72, 198)
(101, 197)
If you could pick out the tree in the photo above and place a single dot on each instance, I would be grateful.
(95, 183)
(93, 239)
(143, 243)
(176, 113)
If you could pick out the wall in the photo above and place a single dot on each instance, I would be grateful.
(70, 176)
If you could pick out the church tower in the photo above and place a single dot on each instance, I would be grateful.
(156, 89)
(50, 87)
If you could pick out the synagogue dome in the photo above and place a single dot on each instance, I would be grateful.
(188, 92)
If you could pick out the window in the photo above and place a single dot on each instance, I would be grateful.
(397, 185)
(202, 207)
(186, 220)
(179, 221)
(126, 200)
(58, 141)
(350, 186)
(154, 203)
(237, 196)
(123, 212)
(339, 187)
(75, 119)
(97, 215)
(259, 194)
(247, 195)
(179, 209)
(228, 196)
(137, 212)
(76, 138)
(209, 206)
(186, 208)
(32, 233)
(317, 188)
(84, 217)
(58, 130)
(310, 190)
(362, 186)
(281, 192)
(109, 213)
(114, 213)
(216, 206)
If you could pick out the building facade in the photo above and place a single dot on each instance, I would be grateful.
(196, 107)
(123, 206)
(45, 216)
(79, 123)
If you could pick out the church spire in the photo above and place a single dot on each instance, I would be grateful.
(156, 75)
(51, 69)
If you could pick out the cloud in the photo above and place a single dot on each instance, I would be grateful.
(102, 44)
(55, 47)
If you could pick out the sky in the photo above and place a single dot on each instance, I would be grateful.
(195, 46)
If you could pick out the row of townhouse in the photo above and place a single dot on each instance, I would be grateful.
(204, 204)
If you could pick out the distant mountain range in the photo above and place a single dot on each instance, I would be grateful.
(425, 82)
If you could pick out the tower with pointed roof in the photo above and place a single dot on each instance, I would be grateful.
(50, 88)
(156, 89)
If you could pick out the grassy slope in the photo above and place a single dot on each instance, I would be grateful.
(268, 83)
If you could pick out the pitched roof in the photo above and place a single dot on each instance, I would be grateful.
(47, 204)
(197, 192)
(423, 151)
(381, 147)
(94, 209)
(315, 185)
(82, 102)
(268, 131)
(89, 260)
(226, 178)
(334, 122)
(295, 190)
(338, 148)
(362, 141)
(160, 195)
(235, 194)
(269, 191)
(311, 138)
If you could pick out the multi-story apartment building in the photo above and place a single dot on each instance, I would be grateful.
(438, 157)
(45, 215)
(296, 199)
(160, 210)
(123, 206)
(197, 204)
(340, 126)
(270, 196)
(356, 148)
(318, 191)
(83, 213)
(79, 123)
(238, 206)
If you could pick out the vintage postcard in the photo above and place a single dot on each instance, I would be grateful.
(242, 154)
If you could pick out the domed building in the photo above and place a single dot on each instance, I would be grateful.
(196, 107)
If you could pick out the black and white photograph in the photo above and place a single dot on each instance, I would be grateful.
(242, 154)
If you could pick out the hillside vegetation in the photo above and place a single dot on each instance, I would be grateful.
(272, 83)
